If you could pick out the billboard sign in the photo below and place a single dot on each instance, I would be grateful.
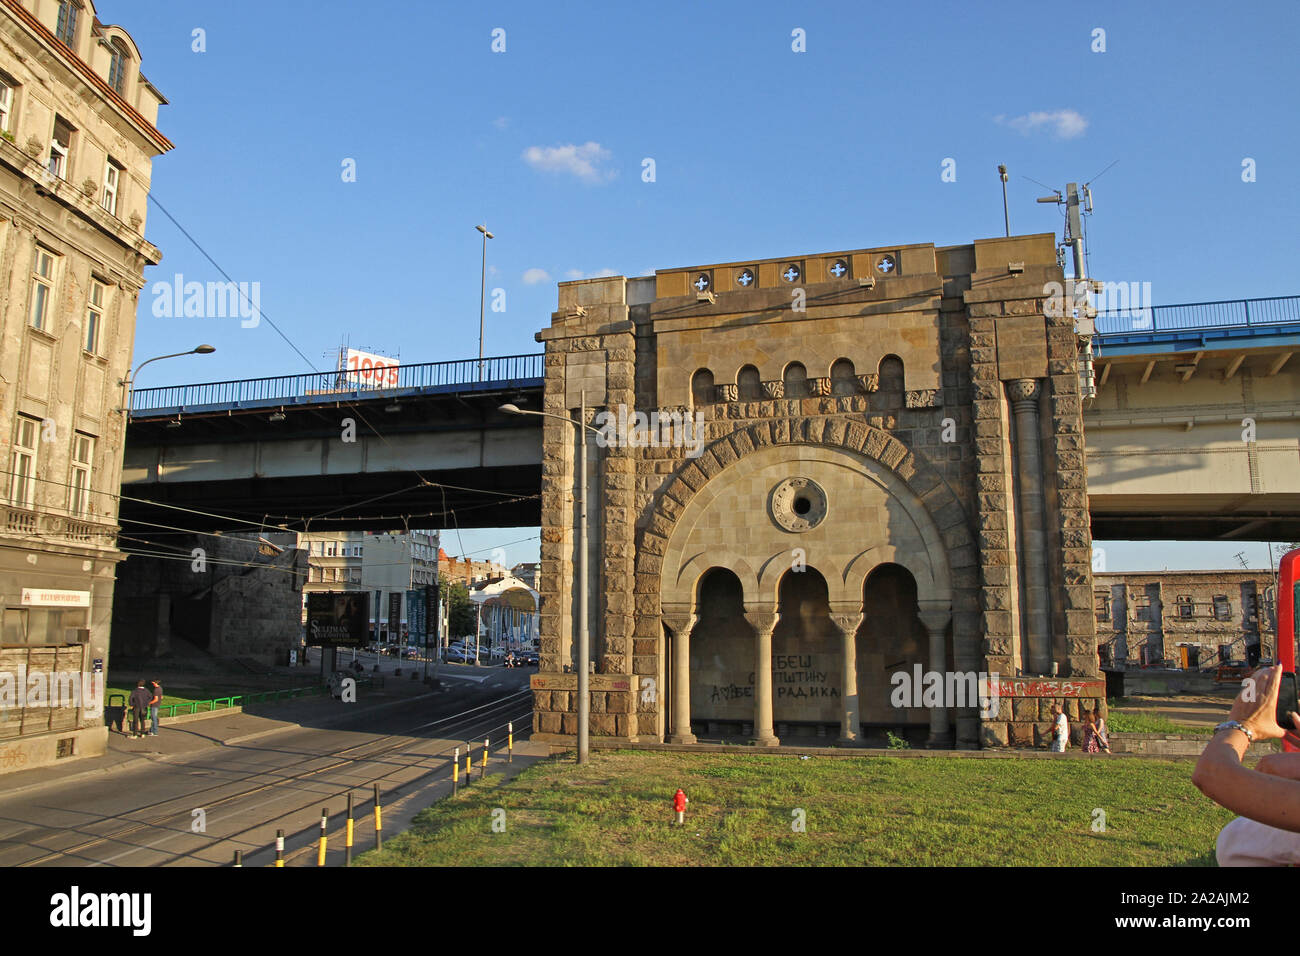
(338, 619)
(366, 370)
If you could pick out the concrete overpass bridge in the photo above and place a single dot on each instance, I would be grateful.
(1194, 434)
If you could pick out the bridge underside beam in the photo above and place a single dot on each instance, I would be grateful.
(460, 498)
(1227, 518)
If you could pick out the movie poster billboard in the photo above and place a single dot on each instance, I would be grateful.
(338, 619)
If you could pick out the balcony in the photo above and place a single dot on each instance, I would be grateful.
(56, 527)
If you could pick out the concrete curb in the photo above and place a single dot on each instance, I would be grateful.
(559, 746)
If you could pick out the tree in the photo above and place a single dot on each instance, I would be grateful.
(461, 615)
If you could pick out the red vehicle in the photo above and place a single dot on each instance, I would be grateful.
(1288, 626)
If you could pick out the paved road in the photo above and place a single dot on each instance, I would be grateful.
(203, 790)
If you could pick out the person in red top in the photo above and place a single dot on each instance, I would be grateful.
(679, 804)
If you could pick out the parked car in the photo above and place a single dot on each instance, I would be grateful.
(411, 652)
(1233, 670)
(456, 654)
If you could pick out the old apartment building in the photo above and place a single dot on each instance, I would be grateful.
(1185, 619)
(77, 143)
(383, 563)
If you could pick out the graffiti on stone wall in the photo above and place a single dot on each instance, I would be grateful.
(795, 677)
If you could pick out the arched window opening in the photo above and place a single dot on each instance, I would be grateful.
(749, 384)
(702, 387)
(842, 378)
(796, 380)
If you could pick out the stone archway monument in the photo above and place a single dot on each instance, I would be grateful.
(912, 406)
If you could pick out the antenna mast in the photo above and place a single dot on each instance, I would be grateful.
(1078, 288)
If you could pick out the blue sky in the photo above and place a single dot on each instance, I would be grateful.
(758, 150)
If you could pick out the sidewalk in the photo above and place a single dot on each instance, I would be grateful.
(187, 734)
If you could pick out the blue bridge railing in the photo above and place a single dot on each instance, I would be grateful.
(1228, 314)
(320, 387)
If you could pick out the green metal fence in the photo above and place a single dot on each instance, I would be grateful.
(237, 700)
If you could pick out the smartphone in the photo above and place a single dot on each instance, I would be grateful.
(1287, 702)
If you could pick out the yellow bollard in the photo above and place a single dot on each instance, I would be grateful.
(379, 822)
(483, 770)
(347, 847)
(510, 743)
(469, 764)
(279, 848)
(455, 772)
(324, 823)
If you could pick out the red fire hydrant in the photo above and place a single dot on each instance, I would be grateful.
(679, 804)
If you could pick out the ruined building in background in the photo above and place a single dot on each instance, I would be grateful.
(813, 474)
(1185, 619)
(77, 143)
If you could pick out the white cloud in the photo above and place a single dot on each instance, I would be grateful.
(1063, 124)
(582, 161)
(598, 274)
(534, 276)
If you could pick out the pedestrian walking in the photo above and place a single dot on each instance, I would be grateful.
(154, 703)
(1060, 729)
(1091, 745)
(1103, 735)
(679, 804)
(139, 704)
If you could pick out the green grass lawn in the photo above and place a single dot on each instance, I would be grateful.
(932, 811)
(1150, 722)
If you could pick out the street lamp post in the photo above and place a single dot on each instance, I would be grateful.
(128, 383)
(584, 650)
(482, 295)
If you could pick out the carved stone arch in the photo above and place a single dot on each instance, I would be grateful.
(917, 475)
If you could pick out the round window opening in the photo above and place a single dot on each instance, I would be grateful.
(798, 504)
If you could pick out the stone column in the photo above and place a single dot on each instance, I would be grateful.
(847, 619)
(681, 623)
(935, 615)
(764, 623)
(1032, 536)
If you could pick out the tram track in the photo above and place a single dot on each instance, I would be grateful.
(166, 813)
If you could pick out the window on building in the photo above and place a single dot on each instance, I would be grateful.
(842, 378)
(22, 483)
(7, 87)
(796, 380)
(42, 287)
(61, 148)
(65, 28)
(1103, 607)
(83, 456)
(95, 315)
(112, 181)
(702, 387)
(118, 60)
(1222, 610)
(331, 548)
(1185, 606)
(313, 574)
